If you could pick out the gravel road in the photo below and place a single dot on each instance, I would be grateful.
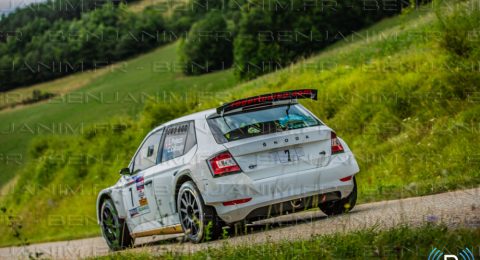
(458, 208)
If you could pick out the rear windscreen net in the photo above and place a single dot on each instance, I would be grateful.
(276, 119)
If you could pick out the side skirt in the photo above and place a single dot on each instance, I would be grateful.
(175, 229)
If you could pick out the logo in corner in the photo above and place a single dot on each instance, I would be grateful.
(435, 254)
(465, 254)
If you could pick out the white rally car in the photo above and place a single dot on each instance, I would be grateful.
(247, 160)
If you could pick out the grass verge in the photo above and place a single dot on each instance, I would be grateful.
(401, 242)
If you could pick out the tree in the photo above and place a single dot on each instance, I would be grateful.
(208, 46)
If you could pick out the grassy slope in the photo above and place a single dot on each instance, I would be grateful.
(137, 74)
(58, 86)
(376, 92)
(131, 81)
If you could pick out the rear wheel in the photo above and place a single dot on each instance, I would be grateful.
(199, 222)
(341, 206)
(114, 229)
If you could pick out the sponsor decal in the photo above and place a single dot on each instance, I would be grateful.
(143, 207)
(140, 183)
(133, 212)
(143, 201)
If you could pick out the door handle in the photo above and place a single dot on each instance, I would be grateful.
(148, 182)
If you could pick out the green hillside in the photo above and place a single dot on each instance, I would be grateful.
(400, 93)
(121, 91)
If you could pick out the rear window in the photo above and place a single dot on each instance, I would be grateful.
(260, 122)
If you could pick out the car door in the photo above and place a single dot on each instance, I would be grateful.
(175, 153)
(138, 195)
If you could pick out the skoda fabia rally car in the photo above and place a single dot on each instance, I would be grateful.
(247, 160)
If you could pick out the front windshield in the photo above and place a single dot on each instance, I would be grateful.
(266, 121)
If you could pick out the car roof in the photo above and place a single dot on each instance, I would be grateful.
(195, 116)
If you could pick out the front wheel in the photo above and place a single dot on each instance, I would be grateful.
(341, 206)
(199, 222)
(114, 229)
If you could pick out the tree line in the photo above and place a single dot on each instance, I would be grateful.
(42, 43)
(254, 36)
(258, 36)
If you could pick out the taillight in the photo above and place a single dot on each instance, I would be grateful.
(223, 163)
(336, 145)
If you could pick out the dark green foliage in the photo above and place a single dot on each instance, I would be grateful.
(182, 18)
(146, 33)
(51, 11)
(268, 36)
(274, 36)
(45, 49)
(208, 46)
(33, 20)
(37, 96)
(200, 7)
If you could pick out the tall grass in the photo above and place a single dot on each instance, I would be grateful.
(401, 242)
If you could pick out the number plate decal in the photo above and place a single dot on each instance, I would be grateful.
(290, 154)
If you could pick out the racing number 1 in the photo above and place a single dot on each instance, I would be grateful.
(131, 196)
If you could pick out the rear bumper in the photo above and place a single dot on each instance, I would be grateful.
(278, 189)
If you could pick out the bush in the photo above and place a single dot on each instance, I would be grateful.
(208, 46)
(458, 31)
(457, 28)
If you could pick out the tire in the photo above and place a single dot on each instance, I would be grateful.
(114, 229)
(341, 206)
(199, 222)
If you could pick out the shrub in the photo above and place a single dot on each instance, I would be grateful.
(458, 30)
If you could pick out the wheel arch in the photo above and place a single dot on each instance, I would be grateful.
(104, 195)
(116, 197)
(181, 179)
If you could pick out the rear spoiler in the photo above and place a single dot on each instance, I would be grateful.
(269, 98)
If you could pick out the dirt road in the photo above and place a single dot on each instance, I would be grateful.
(459, 208)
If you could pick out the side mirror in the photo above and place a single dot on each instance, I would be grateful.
(125, 171)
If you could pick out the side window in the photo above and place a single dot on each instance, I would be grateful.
(191, 138)
(147, 155)
(179, 138)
